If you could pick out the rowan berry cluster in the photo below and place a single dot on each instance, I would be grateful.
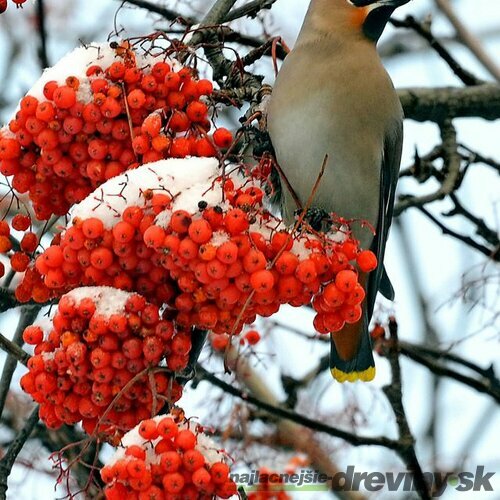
(339, 302)
(122, 111)
(21, 257)
(231, 262)
(4, 5)
(90, 365)
(218, 265)
(88, 254)
(167, 457)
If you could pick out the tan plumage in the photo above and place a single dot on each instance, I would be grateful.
(333, 97)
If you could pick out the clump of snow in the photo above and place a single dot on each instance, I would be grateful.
(205, 445)
(209, 449)
(107, 300)
(76, 63)
(178, 177)
(219, 238)
(6, 133)
(338, 235)
(45, 323)
(299, 249)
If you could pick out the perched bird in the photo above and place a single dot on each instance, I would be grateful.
(334, 100)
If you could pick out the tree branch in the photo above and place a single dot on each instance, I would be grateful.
(423, 29)
(394, 393)
(438, 104)
(9, 459)
(450, 173)
(468, 39)
(353, 439)
(251, 9)
(27, 316)
(14, 350)
(490, 385)
(42, 33)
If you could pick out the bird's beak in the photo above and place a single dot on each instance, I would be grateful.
(379, 3)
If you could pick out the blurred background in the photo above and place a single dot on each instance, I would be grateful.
(446, 291)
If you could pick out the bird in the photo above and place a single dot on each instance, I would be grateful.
(334, 109)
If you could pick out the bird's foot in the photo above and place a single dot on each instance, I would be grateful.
(317, 218)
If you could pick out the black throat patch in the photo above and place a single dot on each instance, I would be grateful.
(375, 22)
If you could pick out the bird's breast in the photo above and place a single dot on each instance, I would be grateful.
(322, 109)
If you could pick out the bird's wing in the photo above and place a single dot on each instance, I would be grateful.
(391, 160)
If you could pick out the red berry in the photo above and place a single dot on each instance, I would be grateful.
(223, 138)
(367, 261)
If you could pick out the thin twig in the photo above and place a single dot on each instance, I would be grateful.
(27, 316)
(468, 39)
(394, 393)
(423, 29)
(353, 439)
(42, 33)
(10, 457)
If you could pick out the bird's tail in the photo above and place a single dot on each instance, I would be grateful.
(348, 364)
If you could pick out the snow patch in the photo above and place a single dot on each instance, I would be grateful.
(205, 444)
(107, 300)
(76, 63)
(219, 238)
(183, 179)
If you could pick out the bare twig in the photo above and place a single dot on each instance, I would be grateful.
(423, 29)
(9, 459)
(27, 316)
(42, 33)
(13, 349)
(353, 439)
(468, 39)
(394, 394)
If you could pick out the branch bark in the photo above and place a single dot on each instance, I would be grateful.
(438, 104)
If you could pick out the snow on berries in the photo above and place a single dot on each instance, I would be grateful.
(107, 242)
(168, 456)
(181, 234)
(98, 362)
(117, 109)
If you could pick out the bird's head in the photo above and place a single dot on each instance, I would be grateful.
(373, 15)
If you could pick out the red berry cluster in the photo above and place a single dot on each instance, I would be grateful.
(4, 5)
(218, 268)
(99, 341)
(88, 253)
(166, 458)
(339, 302)
(79, 132)
(231, 264)
(21, 258)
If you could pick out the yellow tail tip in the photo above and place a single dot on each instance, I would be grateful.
(365, 375)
